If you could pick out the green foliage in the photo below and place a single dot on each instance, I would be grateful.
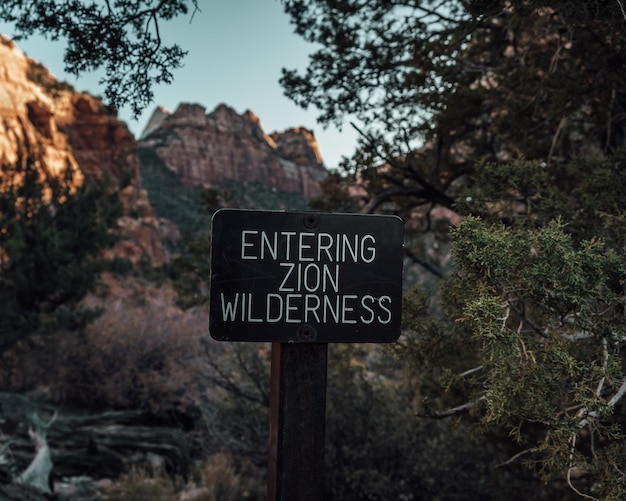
(584, 194)
(537, 302)
(377, 449)
(213, 199)
(191, 208)
(260, 196)
(122, 37)
(168, 196)
(51, 234)
(193, 271)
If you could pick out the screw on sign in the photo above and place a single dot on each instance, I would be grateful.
(303, 277)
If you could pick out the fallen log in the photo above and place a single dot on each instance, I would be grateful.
(95, 445)
(20, 492)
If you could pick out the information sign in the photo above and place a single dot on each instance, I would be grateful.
(305, 277)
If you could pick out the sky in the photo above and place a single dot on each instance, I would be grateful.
(236, 49)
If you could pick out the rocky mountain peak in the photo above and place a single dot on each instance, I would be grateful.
(207, 149)
(298, 145)
(159, 114)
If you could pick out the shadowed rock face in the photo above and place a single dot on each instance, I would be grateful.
(59, 127)
(205, 149)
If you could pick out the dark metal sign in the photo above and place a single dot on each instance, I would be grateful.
(305, 277)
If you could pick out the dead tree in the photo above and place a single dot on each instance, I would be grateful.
(38, 472)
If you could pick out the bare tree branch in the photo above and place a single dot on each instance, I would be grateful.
(430, 413)
(426, 190)
(515, 457)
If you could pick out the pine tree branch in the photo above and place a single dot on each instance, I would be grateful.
(621, 7)
(426, 190)
(571, 469)
(515, 457)
(618, 396)
(610, 404)
(469, 372)
(430, 413)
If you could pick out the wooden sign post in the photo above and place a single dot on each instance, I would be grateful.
(302, 280)
(297, 422)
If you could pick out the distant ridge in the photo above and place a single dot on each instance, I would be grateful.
(205, 149)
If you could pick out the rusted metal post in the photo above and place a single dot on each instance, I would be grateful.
(297, 422)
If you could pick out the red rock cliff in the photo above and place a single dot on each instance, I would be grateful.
(48, 120)
(205, 149)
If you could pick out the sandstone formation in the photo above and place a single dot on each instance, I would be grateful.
(206, 149)
(60, 127)
(298, 145)
(27, 112)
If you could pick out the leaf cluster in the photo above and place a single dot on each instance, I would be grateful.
(122, 37)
